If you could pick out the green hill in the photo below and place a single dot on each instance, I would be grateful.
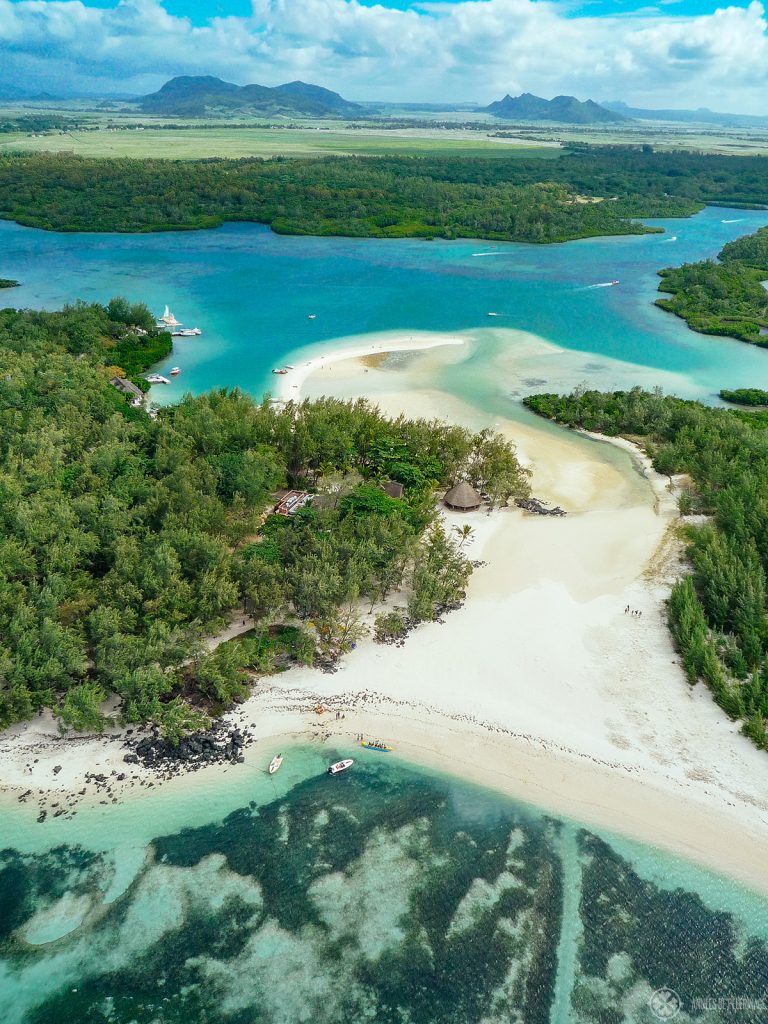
(204, 95)
(566, 109)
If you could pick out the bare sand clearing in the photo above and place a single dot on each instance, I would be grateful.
(541, 686)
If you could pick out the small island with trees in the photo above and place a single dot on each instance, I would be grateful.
(725, 297)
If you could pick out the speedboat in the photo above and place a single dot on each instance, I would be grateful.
(340, 766)
(168, 319)
(275, 763)
(187, 332)
(157, 378)
(494, 314)
(176, 371)
(383, 747)
(312, 316)
(615, 282)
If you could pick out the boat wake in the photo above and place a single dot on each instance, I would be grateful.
(672, 238)
(734, 220)
(600, 284)
(487, 253)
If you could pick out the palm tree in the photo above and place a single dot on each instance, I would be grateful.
(464, 533)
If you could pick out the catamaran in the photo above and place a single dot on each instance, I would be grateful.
(168, 319)
(340, 766)
(275, 763)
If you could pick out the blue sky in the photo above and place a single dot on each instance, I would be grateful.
(646, 52)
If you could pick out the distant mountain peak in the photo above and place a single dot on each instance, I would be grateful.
(566, 109)
(199, 95)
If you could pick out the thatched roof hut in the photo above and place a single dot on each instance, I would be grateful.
(463, 497)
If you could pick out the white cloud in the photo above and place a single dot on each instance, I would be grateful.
(473, 49)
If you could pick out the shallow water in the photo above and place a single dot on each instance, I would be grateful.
(386, 895)
(252, 292)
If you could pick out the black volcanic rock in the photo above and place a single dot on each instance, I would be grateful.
(566, 109)
(200, 95)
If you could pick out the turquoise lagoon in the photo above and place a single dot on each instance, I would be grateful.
(252, 291)
(390, 895)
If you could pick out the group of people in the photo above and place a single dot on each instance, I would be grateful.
(371, 743)
(632, 611)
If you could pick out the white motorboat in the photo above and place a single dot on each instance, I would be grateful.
(175, 371)
(275, 763)
(168, 319)
(340, 766)
(157, 378)
(312, 316)
(187, 332)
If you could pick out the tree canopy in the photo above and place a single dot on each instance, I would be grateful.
(126, 539)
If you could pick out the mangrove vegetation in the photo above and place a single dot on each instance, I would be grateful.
(725, 297)
(585, 192)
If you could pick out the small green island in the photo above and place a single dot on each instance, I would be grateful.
(6, 282)
(745, 396)
(725, 297)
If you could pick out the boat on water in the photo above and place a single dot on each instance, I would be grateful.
(312, 316)
(168, 319)
(340, 766)
(281, 371)
(371, 745)
(175, 371)
(157, 378)
(275, 763)
(615, 282)
(494, 314)
(187, 332)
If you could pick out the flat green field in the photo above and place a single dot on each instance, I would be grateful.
(198, 142)
(128, 132)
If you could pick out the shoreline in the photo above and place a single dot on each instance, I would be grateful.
(599, 726)
(417, 341)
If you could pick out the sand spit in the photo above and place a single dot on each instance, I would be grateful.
(541, 686)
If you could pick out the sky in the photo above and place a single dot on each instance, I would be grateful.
(652, 53)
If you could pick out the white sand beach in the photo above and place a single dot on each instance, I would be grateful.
(541, 685)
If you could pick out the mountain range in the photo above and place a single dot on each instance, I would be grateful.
(701, 116)
(566, 109)
(201, 95)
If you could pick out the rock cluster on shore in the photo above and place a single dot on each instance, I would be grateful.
(215, 746)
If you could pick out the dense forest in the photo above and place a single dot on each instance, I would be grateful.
(718, 613)
(726, 298)
(745, 396)
(521, 199)
(126, 538)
